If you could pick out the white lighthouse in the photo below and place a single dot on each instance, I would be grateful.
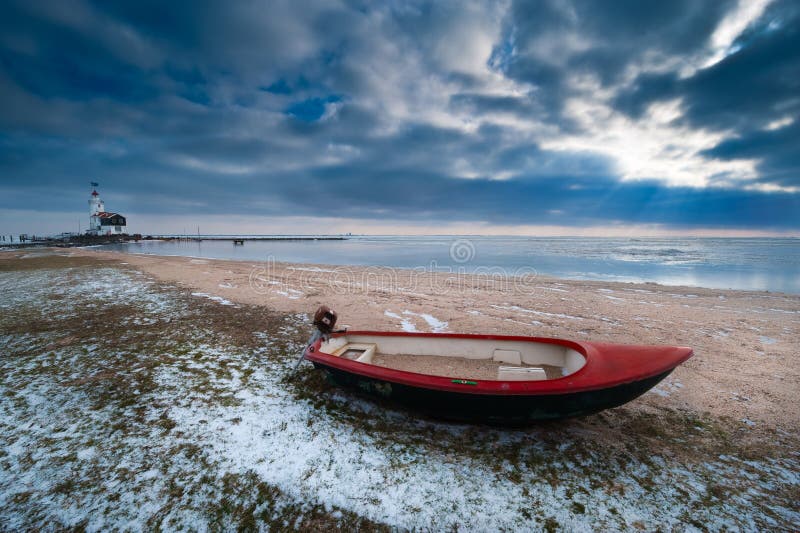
(102, 222)
(96, 205)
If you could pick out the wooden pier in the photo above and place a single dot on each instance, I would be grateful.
(241, 240)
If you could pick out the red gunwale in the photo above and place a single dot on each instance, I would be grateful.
(607, 365)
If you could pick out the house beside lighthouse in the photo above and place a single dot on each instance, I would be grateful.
(102, 222)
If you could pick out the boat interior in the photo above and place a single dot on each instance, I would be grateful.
(470, 358)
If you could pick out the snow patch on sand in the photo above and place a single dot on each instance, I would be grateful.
(534, 312)
(405, 324)
(218, 299)
(292, 294)
(311, 269)
(667, 387)
(552, 289)
(436, 325)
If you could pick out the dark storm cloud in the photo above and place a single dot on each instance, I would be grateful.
(777, 151)
(547, 43)
(751, 87)
(323, 108)
(756, 85)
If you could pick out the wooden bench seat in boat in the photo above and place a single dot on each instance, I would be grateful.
(521, 373)
(362, 352)
(512, 357)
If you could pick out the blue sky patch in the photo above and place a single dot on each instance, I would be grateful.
(312, 109)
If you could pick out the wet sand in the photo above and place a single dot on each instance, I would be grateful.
(745, 365)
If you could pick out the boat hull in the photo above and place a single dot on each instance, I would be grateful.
(490, 408)
(595, 376)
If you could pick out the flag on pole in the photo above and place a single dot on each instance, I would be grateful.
(93, 184)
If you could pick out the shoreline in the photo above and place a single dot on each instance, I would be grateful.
(342, 267)
(744, 341)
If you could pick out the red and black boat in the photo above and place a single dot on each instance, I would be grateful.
(492, 378)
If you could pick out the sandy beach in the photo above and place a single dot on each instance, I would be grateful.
(745, 342)
(153, 390)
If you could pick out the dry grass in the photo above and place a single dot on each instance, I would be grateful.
(44, 260)
(117, 377)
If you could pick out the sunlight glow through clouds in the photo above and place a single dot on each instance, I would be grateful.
(654, 147)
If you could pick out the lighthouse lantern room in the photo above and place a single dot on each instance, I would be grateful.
(102, 222)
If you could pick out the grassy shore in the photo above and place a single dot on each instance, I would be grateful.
(132, 402)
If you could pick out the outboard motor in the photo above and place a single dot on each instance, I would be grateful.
(324, 322)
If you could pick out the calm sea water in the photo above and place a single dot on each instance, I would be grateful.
(753, 264)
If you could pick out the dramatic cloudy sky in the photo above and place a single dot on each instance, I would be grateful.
(447, 117)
